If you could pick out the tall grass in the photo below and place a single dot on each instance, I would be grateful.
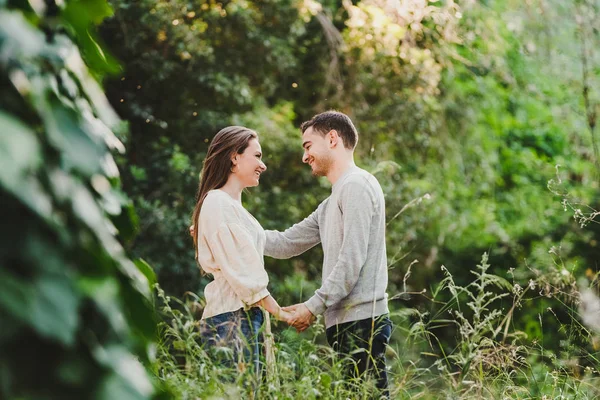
(488, 357)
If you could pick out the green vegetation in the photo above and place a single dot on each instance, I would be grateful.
(76, 315)
(478, 118)
(490, 358)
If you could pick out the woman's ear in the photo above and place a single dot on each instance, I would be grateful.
(234, 158)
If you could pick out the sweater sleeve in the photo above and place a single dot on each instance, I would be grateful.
(296, 239)
(240, 262)
(357, 208)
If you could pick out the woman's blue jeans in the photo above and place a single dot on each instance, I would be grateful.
(240, 331)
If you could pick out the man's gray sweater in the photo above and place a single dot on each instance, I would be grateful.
(350, 223)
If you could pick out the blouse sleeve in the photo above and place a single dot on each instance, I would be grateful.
(239, 261)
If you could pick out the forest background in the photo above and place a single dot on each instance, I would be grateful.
(479, 119)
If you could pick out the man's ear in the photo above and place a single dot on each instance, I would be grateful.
(334, 138)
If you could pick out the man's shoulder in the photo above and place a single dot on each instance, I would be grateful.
(361, 177)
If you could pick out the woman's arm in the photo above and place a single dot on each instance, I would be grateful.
(270, 304)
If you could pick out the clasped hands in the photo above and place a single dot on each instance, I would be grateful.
(298, 316)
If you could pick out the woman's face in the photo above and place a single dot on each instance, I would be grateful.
(249, 165)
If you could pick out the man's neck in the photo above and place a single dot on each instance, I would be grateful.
(339, 168)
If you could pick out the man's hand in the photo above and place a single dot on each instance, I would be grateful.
(192, 230)
(301, 316)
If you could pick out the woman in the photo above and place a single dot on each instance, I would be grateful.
(229, 244)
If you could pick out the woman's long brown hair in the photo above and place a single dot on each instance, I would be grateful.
(217, 165)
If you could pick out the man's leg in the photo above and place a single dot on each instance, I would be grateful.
(370, 335)
(381, 338)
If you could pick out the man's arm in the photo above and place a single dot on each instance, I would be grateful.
(358, 207)
(296, 239)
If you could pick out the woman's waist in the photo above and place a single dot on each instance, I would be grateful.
(251, 313)
(220, 298)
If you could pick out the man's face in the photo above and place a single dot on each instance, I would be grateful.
(317, 152)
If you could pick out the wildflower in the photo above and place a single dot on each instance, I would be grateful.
(531, 284)
(517, 288)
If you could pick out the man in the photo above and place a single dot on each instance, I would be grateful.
(350, 224)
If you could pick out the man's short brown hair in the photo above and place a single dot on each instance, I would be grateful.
(328, 120)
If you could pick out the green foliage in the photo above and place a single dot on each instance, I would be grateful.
(464, 110)
(214, 62)
(77, 320)
(302, 368)
(81, 17)
(491, 357)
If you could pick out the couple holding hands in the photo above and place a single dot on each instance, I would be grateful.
(350, 225)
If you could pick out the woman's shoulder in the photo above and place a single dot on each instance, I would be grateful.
(216, 195)
(217, 205)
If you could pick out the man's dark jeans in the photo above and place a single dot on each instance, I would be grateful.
(372, 335)
(240, 331)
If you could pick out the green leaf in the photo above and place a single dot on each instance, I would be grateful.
(325, 380)
(49, 304)
(64, 128)
(116, 387)
(130, 380)
(31, 193)
(19, 151)
(105, 291)
(138, 309)
(147, 270)
(55, 308)
(15, 295)
(88, 211)
(127, 222)
(179, 345)
(90, 12)
(107, 117)
(20, 41)
(82, 15)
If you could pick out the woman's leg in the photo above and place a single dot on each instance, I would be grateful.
(252, 329)
(240, 331)
(221, 332)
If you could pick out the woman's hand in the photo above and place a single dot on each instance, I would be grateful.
(284, 316)
(269, 304)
